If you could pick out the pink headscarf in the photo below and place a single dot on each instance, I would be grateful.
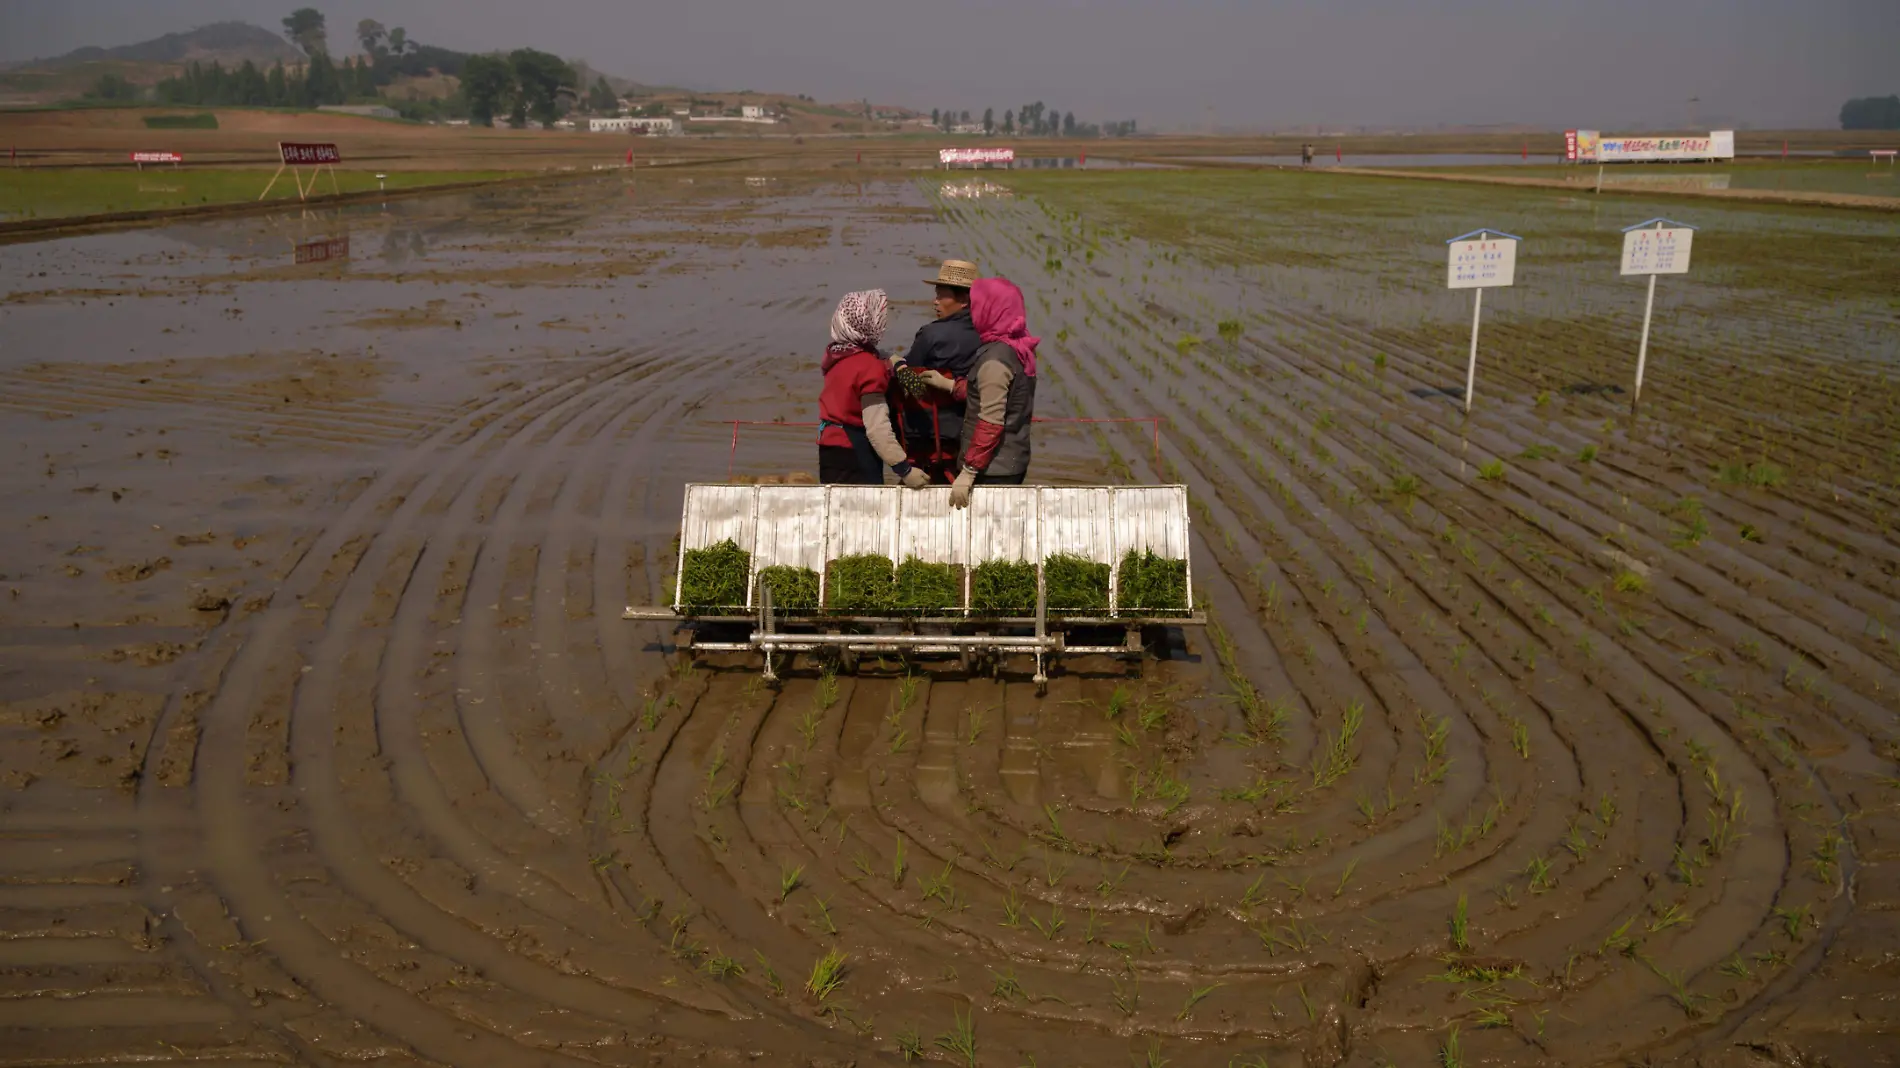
(996, 308)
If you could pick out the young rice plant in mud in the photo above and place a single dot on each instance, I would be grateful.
(960, 1040)
(827, 974)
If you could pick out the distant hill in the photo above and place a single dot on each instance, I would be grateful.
(226, 42)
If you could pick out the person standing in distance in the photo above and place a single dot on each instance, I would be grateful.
(933, 421)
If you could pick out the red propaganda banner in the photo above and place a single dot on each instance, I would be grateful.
(157, 157)
(335, 248)
(1570, 146)
(295, 153)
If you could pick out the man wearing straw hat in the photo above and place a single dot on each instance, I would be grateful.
(944, 352)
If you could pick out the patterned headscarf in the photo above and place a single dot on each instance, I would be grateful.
(859, 322)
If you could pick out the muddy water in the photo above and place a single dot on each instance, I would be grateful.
(324, 741)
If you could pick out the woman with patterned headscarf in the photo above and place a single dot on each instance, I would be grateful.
(857, 439)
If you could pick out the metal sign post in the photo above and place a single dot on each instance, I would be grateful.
(1658, 246)
(1479, 260)
(296, 155)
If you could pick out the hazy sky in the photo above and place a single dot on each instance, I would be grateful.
(1556, 63)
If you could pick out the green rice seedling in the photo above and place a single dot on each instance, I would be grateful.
(827, 974)
(1378, 360)
(1619, 939)
(1406, 485)
(789, 879)
(1792, 919)
(927, 587)
(1345, 877)
(1005, 985)
(974, 729)
(1052, 926)
(1542, 400)
(863, 584)
(1630, 582)
(960, 1040)
(910, 1044)
(1491, 471)
(1825, 863)
(794, 589)
(1750, 532)
(1336, 758)
(898, 865)
(1737, 967)
(770, 974)
(820, 916)
(1587, 454)
(721, 966)
(1539, 452)
(1150, 583)
(1196, 995)
(715, 576)
(1118, 702)
(1673, 916)
(1451, 1054)
(1461, 926)
(1013, 909)
(1230, 330)
(1539, 872)
(1003, 588)
(1076, 583)
(939, 886)
(1695, 525)
(1759, 475)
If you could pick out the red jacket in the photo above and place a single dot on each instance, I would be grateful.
(848, 376)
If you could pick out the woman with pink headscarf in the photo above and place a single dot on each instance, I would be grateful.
(856, 438)
(995, 446)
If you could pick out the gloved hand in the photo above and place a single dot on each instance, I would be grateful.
(938, 380)
(960, 489)
(915, 479)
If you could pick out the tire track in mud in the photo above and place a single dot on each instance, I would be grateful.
(1213, 456)
(312, 759)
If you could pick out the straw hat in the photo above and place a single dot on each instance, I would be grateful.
(958, 273)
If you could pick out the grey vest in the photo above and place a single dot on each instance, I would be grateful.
(1012, 453)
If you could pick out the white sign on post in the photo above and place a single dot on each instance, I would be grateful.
(1479, 260)
(1659, 246)
(1653, 251)
(1478, 264)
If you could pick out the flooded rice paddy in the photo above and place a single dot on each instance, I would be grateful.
(1554, 735)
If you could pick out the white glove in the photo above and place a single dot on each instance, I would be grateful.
(938, 380)
(916, 479)
(961, 488)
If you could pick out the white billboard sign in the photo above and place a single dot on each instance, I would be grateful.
(1481, 263)
(1719, 144)
(1657, 251)
(951, 156)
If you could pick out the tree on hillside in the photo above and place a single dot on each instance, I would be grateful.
(989, 120)
(935, 118)
(277, 87)
(1009, 122)
(304, 27)
(1871, 113)
(540, 81)
(321, 85)
(487, 81)
(601, 97)
(399, 43)
(372, 35)
(1068, 125)
(112, 87)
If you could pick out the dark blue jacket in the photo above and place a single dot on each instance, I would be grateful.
(948, 345)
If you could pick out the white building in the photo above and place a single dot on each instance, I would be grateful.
(752, 111)
(633, 124)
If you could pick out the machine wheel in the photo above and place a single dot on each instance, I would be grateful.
(847, 661)
(683, 648)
